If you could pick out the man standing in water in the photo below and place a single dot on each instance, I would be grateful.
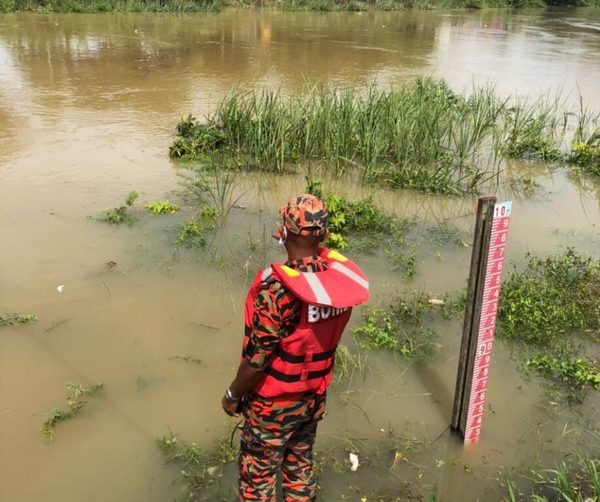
(294, 318)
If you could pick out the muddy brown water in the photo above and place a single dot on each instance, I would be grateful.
(87, 108)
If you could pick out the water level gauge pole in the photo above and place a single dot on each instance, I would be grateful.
(483, 294)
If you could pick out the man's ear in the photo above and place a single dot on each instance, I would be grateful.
(324, 236)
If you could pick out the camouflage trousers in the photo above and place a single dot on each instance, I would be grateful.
(278, 435)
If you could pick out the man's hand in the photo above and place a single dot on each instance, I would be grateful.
(230, 406)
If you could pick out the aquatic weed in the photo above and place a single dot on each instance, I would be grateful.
(550, 298)
(10, 319)
(119, 214)
(201, 470)
(569, 481)
(399, 327)
(75, 403)
(573, 376)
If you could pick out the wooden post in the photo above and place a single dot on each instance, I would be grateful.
(481, 241)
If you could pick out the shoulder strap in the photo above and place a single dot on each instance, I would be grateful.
(342, 285)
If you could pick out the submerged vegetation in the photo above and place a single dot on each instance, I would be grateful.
(419, 135)
(568, 482)
(361, 219)
(403, 326)
(199, 469)
(553, 306)
(10, 319)
(120, 214)
(75, 403)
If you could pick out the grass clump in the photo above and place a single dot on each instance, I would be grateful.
(348, 364)
(161, 207)
(75, 402)
(419, 135)
(10, 319)
(568, 482)
(120, 214)
(199, 469)
(552, 306)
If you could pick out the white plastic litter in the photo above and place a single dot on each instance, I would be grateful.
(60, 288)
(435, 301)
(353, 462)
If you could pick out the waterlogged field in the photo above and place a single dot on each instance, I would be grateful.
(123, 272)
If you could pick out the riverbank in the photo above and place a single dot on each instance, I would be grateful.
(185, 6)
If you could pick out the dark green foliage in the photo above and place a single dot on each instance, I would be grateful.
(547, 306)
(195, 139)
(550, 298)
(10, 319)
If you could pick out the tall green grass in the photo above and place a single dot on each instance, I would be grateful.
(419, 135)
(110, 5)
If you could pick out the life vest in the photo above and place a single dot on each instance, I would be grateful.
(304, 359)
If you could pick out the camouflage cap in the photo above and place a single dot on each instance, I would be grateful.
(305, 215)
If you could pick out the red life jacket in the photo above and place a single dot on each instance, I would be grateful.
(304, 359)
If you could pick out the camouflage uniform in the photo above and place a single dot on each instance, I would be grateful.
(278, 433)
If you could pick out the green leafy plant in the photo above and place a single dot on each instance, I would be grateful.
(119, 214)
(550, 299)
(399, 327)
(75, 403)
(350, 220)
(161, 207)
(574, 375)
(10, 319)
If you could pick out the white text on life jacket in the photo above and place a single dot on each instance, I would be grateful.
(316, 313)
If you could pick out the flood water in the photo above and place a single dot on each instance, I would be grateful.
(88, 104)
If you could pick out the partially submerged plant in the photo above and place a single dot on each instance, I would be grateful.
(193, 232)
(161, 207)
(75, 403)
(186, 358)
(568, 482)
(350, 220)
(400, 327)
(10, 319)
(571, 376)
(119, 214)
(547, 306)
(550, 299)
(200, 469)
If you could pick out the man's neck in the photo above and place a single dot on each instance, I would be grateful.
(299, 254)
